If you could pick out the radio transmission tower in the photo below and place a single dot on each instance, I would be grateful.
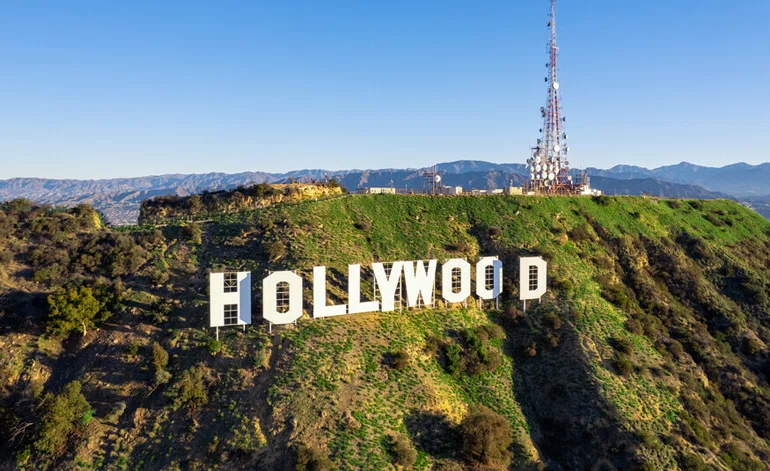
(548, 166)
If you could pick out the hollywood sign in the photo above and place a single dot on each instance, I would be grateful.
(230, 293)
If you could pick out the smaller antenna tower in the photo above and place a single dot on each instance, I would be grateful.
(431, 181)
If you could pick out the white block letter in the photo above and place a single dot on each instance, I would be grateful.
(419, 282)
(354, 293)
(270, 297)
(465, 280)
(320, 309)
(532, 277)
(237, 293)
(387, 286)
(481, 278)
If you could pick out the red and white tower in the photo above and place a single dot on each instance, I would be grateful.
(548, 167)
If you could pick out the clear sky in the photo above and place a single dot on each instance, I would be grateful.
(96, 89)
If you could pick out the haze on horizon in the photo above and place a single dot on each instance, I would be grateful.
(101, 90)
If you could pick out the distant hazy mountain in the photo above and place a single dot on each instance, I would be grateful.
(119, 198)
(465, 166)
(739, 180)
(653, 187)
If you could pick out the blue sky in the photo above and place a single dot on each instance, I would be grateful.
(94, 89)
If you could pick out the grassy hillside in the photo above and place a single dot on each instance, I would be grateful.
(650, 350)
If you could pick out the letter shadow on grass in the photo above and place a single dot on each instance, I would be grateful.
(571, 423)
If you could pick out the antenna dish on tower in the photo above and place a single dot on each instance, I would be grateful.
(551, 173)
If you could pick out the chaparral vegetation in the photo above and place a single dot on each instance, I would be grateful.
(649, 351)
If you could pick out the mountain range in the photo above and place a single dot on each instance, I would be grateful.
(119, 198)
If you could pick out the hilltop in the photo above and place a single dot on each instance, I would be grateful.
(120, 198)
(650, 350)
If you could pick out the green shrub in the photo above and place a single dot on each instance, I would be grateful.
(162, 377)
(364, 225)
(312, 459)
(582, 233)
(564, 285)
(194, 234)
(159, 357)
(552, 321)
(486, 437)
(159, 277)
(616, 293)
(259, 357)
(132, 349)
(490, 332)
(62, 415)
(634, 326)
(159, 363)
(22, 456)
(514, 314)
(433, 345)
(553, 340)
(73, 309)
(739, 460)
(529, 350)
(494, 360)
(473, 341)
(691, 462)
(20, 205)
(88, 416)
(400, 361)
(713, 219)
(676, 349)
(214, 346)
(5, 256)
(623, 364)
(159, 310)
(623, 345)
(453, 355)
(459, 247)
(650, 440)
(275, 250)
(191, 389)
(403, 452)
(751, 345)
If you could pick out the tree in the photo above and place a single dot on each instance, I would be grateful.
(486, 436)
(160, 361)
(159, 357)
(192, 388)
(194, 205)
(73, 309)
(63, 413)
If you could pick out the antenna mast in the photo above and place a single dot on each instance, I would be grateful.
(548, 167)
